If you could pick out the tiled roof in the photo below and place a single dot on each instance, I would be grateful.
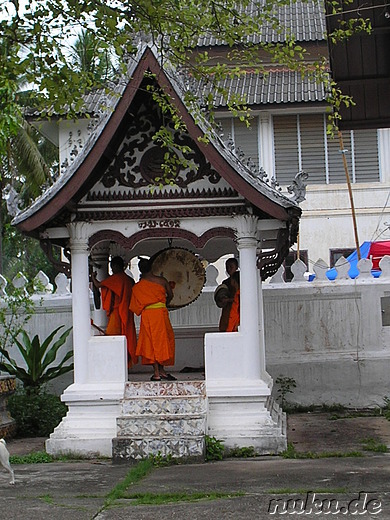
(278, 86)
(303, 19)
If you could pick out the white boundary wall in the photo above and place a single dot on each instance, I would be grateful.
(328, 336)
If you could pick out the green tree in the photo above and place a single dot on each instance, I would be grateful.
(28, 161)
(88, 57)
(24, 254)
(24, 167)
(39, 30)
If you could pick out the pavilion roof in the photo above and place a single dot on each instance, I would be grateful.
(108, 111)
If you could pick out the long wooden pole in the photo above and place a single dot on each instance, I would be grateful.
(342, 150)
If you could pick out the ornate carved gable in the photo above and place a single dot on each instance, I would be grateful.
(110, 176)
(134, 175)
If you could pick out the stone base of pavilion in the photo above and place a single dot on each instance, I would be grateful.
(245, 416)
(111, 417)
(90, 424)
(241, 411)
(93, 402)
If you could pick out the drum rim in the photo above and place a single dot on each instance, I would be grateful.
(152, 259)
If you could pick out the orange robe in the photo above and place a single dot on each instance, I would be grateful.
(234, 316)
(116, 295)
(156, 340)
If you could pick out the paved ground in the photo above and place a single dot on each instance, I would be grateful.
(248, 488)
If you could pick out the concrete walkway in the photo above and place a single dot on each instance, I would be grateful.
(254, 488)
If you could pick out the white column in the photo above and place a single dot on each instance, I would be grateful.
(79, 234)
(266, 143)
(100, 255)
(264, 374)
(246, 234)
(240, 411)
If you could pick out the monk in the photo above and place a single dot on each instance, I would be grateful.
(156, 340)
(224, 294)
(116, 294)
(234, 314)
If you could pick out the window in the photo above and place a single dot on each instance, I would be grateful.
(335, 254)
(301, 143)
(245, 138)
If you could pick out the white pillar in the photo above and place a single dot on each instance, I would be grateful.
(265, 376)
(79, 235)
(100, 369)
(246, 233)
(266, 143)
(100, 255)
(240, 409)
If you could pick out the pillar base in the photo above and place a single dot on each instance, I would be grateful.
(247, 421)
(90, 424)
(93, 405)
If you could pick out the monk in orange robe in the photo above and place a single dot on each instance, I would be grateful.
(116, 294)
(234, 315)
(224, 294)
(156, 340)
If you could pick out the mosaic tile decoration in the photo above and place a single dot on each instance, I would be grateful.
(139, 448)
(165, 427)
(168, 388)
(162, 418)
(7, 430)
(7, 424)
(161, 405)
(7, 384)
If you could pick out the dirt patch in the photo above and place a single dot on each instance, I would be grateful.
(26, 445)
(317, 432)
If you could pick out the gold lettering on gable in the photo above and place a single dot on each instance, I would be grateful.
(166, 223)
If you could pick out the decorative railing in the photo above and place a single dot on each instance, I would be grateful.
(342, 270)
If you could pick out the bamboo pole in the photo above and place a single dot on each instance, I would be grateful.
(342, 150)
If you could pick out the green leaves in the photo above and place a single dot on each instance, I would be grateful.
(42, 30)
(37, 42)
(39, 359)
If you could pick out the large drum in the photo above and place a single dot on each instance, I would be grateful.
(184, 272)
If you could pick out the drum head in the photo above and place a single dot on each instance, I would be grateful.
(184, 271)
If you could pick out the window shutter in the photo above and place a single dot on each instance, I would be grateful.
(366, 155)
(285, 148)
(246, 139)
(335, 159)
(313, 147)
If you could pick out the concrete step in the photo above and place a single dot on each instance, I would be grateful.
(137, 448)
(164, 388)
(164, 405)
(161, 426)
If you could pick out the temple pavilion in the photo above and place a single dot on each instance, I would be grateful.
(109, 199)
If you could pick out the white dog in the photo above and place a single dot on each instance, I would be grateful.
(4, 460)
